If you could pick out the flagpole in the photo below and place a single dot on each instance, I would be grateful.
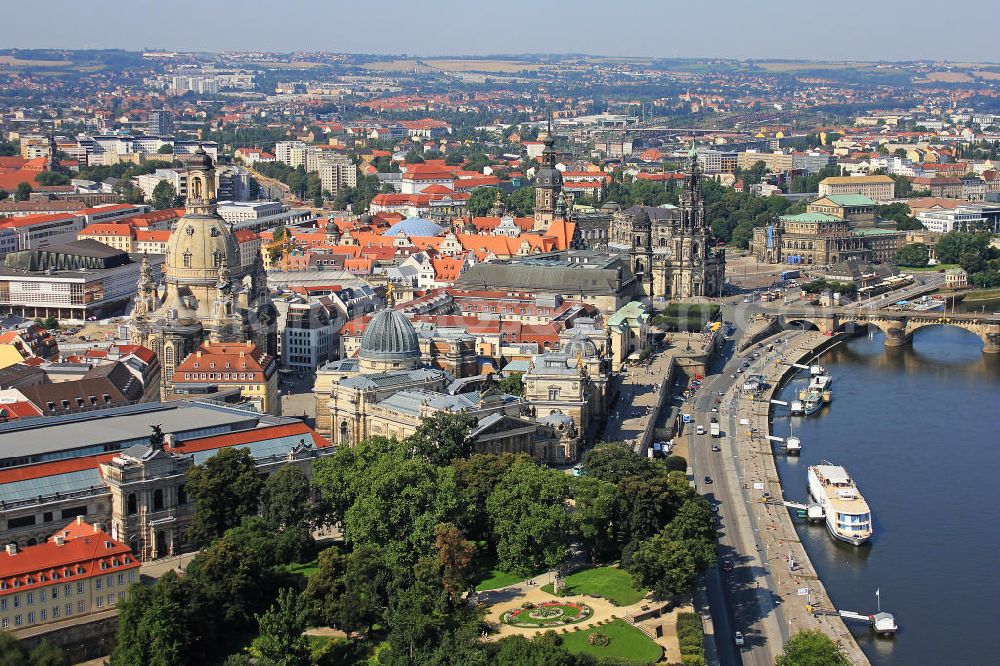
(878, 600)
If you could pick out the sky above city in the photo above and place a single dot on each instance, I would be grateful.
(852, 29)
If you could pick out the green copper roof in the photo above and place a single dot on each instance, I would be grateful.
(814, 218)
(850, 200)
(632, 311)
(874, 231)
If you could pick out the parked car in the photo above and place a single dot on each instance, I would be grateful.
(738, 637)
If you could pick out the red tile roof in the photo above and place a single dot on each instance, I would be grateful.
(83, 551)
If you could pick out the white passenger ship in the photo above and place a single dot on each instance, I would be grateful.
(848, 517)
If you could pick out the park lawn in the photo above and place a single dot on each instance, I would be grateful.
(494, 579)
(627, 643)
(303, 568)
(927, 269)
(612, 583)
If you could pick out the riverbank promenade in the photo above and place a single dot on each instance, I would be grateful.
(805, 602)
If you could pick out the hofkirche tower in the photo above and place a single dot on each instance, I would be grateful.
(206, 294)
(548, 182)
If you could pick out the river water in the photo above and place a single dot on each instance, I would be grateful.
(919, 430)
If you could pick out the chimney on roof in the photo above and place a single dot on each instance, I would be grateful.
(98, 527)
(79, 520)
(12, 549)
(59, 540)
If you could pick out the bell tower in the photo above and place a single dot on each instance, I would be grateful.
(548, 182)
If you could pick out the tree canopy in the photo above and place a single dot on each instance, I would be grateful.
(225, 489)
(811, 648)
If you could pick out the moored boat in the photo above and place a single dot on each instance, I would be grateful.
(848, 517)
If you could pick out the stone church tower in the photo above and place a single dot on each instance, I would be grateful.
(204, 296)
(671, 247)
(548, 183)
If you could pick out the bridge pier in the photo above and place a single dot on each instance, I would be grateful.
(991, 343)
(898, 340)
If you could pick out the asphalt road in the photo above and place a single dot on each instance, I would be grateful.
(740, 599)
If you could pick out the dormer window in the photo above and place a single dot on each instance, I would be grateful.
(214, 232)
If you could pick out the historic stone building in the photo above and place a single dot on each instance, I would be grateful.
(548, 183)
(387, 390)
(205, 295)
(671, 247)
(821, 239)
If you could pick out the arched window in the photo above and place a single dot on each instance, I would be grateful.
(343, 432)
(130, 505)
(217, 258)
(158, 499)
(187, 259)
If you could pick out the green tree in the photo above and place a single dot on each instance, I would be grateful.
(614, 461)
(476, 478)
(397, 503)
(4, 194)
(986, 279)
(972, 262)
(442, 437)
(49, 178)
(519, 651)
(164, 195)
(349, 591)
(44, 654)
(287, 499)
(166, 149)
(231, 582)
(454, 557)
(600, 509)
(652, 502)
(675, 464)
(481, 200)
(522, 201)
(513, 383)
(154, 628)
(694, 526)
(664, 565)
(23, 192)
(225, 489)
(271, 547)
(529, 518)
(413, 157)
(952, 245)
(280, 641)
(811, 648)
(916, 255)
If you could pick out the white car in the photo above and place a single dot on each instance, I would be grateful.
(738, 637)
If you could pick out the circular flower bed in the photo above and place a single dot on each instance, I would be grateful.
(549, 614)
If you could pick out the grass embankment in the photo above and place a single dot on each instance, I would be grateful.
(927, 269)
(981, 296)
(627, 643)
(612, 583)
